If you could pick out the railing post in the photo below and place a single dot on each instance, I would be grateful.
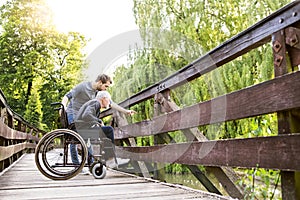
(159, 169)
(225, 175)
(139, 166)
(288, 121)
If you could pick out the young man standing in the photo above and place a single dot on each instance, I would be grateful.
(86, 91)
(82, 93)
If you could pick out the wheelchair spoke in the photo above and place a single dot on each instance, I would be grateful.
(53, 156)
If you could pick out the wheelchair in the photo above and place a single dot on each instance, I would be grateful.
(53, 154)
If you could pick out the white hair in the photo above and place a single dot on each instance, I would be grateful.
(102, 94)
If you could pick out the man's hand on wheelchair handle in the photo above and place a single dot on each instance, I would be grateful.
(100, 122)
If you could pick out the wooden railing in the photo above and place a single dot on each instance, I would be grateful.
(16, 135)
(280, 95)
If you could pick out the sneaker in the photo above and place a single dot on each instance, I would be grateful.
(111, 163)
(85, 172)
(122, 161)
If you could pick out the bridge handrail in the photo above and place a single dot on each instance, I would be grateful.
(238, 45)
(280, 95)
(17, 136)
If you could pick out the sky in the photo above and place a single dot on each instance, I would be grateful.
(101, 21)
(98, 20)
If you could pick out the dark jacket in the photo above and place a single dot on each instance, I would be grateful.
(89, 113)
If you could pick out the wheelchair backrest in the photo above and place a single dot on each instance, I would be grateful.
(63, 116)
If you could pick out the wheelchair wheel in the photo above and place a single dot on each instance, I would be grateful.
(53, 156)
(98, 170)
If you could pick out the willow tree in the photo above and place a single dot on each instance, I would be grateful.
(207, 23)
(31, 47)
(176, 33)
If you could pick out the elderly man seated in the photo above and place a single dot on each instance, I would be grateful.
(88, 119)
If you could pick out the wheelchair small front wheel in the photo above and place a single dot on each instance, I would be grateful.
(98, 170)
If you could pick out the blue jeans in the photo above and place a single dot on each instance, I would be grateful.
(73, 147)
(108, 132)
(74, 154)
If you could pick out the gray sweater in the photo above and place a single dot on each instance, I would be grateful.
(80, 94)
(89, 113)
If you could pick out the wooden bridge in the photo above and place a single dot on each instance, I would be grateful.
(24, 181)
(280, 95)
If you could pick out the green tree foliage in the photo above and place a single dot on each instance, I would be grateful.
(31, 47)
(178, 32)
(207, 24)
(33, 111)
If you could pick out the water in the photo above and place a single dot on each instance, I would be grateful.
(187, 179)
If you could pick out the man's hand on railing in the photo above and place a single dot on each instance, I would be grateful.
(130, 112)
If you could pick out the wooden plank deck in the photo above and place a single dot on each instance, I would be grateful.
(23, 181)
